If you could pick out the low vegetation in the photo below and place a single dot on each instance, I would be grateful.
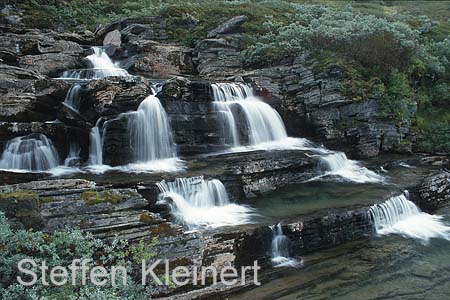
(60, 249)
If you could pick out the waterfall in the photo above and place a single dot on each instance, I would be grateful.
(102, 66)
(34, 152)
(263, 123)
(96, 145)
(338, 164)
(72, 99)
(197, 202)
(73, 157)
(150, 132)
(280, 249)
(398, 215)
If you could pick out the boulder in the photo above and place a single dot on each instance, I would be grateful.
(113, 38)
(230, 26)
(112, 96)
(434, 193)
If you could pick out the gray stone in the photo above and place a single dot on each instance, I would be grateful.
(229, 26)
(113, 38)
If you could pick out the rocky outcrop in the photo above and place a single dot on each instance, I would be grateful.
(194, 125)
(312, 105)
(112, 96)
(50, 64)
(161, 60)
(33, 101)
(230, 26)
(219, 57)
(434, 193)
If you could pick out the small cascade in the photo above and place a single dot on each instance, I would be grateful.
(102, 66)
(73, 97)
(280, 249)
(73, 157)
(150, 132)
(399, 215)
(34, 153)
(96, 145)
(197, 202)
(263, 123)
(338, 164)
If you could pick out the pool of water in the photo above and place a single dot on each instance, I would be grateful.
(317, 197)
(388, 267)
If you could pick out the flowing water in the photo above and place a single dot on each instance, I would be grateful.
(339, 165)
(263, 123)
(400, 216)
(373, 269)
(96, 145)
(199, 202)
(73, 97)
(102, 66)
(150, 132)
(280, 249)
(34, 153)
(73, 157)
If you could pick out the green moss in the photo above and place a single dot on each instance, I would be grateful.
(94, 197)
(146, 218)
(46, 199)
(19, 195)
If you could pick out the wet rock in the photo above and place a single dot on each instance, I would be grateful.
(40, 104)
(116, 142)
(50, 64)
(194, 124)
(230, 26)
(434, 193)
(112, 96)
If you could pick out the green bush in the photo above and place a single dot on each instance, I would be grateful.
(59, 249)
(398, 103)
(436, 137)
(373, 42)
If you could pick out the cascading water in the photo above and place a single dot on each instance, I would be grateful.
(150, 132)
(339, 165)
(73, 97)
(73, 158)
(96, 145)
(102, 66)
(398, 215)
(280, 249)
(263, 123)
(197, 202)
(34, 153)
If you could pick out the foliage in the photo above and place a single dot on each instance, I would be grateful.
(435, 137)
(60, 249)
(373, 42)
(398, 102)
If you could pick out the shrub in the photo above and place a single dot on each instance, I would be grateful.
(60, 249)
(374, 42)
(398, 103)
